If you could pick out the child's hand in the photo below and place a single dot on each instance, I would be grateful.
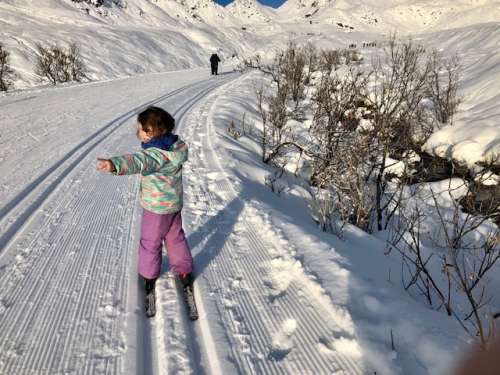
(105, 165)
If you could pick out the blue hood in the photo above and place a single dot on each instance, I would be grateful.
(163, 142)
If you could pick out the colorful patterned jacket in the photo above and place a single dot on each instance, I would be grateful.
(161, 176)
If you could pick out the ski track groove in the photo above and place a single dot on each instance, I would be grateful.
(311, 328)
(249, 263)
(37, 296)
(41, 296)
(69, 271)
(279, 310)
(48, 328)
(200, 194)
(172, 321)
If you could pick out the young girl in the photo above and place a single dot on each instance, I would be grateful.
(160, 165)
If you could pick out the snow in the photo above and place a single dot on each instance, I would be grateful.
(275, 294)
(475, 134)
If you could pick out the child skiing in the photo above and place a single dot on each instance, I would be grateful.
(160, 165)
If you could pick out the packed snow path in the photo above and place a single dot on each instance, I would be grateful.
(69, 298)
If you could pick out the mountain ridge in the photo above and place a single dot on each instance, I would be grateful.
(138, 36)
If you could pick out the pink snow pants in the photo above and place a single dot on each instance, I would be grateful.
(159, 229)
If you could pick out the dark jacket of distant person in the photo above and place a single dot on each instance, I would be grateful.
(214, 59)
(214, 62)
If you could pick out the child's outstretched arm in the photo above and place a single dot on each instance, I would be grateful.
(146, 161)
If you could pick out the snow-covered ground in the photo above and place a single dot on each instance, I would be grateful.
(276, 295)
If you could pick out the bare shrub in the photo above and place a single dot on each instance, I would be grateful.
(262, 108)
(274, 180)
(287, 67)
(335, 96)
(400, 120)
(327, 211)
(96, 3)
(392, 94)
(293, 62)
(465, 249)
(6, 72)
(342, 150)
(231, 129)
(251, 62)
(311, 61)
(329, 60)
(351, 56)
(442, 86)
(360, 119)
(288, 76)
(60, 65)
(279, 115)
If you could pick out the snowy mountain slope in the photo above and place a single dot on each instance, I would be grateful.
(152, 36)
(475, 134)
(113, 50)
(385, 16)
(250, 11)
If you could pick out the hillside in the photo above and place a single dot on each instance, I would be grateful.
(127, 37)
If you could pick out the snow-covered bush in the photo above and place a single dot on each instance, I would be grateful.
(329, 60)
(60, 65)
(96, 3)
(448, 255)
(351, 56)
(442, 86)
(327, 210)
(99, 3)
(291, 63)
(6, 71)
(341, 152)
(367, 127)
(365, 119)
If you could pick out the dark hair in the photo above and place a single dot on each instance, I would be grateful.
(156, 120)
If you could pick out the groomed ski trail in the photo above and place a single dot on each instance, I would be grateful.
(70, 301)
(67, 261)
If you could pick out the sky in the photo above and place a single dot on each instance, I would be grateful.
(271, 3)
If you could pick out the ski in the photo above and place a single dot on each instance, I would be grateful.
(150, 304)
(188, 296)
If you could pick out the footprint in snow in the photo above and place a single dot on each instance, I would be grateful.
(282, 343)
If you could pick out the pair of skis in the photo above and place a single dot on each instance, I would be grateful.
(188, 297)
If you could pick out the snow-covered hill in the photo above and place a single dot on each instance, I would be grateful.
(390, 15)
(126, 37)
(251, 12)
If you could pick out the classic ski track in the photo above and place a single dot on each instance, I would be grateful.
(41, 188)
(39, 304)
(171, 321)
(312, 327)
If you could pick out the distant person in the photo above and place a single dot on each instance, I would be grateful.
(160, 165)
(214, 63)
